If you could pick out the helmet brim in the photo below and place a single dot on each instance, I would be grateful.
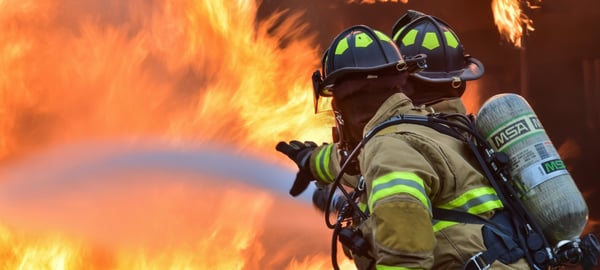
(472, 71)
(413, 64)
(358, 71)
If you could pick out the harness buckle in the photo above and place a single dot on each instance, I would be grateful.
(361, 184)
(476, 263)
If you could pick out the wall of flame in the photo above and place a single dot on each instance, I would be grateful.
(184, 72)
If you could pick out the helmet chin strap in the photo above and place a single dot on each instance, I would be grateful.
(346, 145)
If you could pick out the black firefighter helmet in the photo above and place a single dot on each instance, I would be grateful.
(360, 51)
(418, 33)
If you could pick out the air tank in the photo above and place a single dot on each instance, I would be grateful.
(546, 188)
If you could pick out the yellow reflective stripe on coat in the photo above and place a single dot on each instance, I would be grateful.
(385, 267)
(362, 206)
(439, 225)
(323, 159)
(475, 201)
(397, 183)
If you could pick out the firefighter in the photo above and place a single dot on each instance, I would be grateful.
(408, 169)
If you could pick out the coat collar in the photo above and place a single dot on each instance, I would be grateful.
(399, 103)
(454, 105)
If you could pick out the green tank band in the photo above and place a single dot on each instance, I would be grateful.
(515, 130)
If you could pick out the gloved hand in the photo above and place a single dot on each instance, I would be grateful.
(300, 153)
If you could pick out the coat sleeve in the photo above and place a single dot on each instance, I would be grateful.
(400, 182)
(325, 165)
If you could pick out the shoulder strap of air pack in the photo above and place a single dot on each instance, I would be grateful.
(530, 238)
(493, 165)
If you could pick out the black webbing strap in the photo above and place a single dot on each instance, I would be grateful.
(504, 248)
(458, 216)
(461, 127)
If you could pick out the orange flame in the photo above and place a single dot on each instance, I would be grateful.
(185, 71)
(122, 240)
(511, 20)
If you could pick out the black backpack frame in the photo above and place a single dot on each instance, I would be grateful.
(529, 236)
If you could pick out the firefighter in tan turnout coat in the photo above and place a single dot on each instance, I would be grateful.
(409, 169)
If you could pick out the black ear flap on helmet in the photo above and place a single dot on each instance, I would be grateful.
(318, 84)
(317, 80)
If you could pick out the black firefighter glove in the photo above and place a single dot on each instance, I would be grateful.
(300, 153)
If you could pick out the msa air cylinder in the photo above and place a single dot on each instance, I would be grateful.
(546, 188)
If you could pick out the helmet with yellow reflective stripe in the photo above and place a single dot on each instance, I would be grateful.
(360, 51)
(418, 33)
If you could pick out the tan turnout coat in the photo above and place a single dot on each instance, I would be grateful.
(409, 169)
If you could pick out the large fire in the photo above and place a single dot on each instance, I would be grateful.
(150, 217)
(182, 71)
(186, 72)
